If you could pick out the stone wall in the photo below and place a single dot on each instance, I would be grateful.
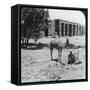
(66, 28)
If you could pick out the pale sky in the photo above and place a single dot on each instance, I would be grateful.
(69, 15)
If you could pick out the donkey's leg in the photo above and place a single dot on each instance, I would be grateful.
(60, 54)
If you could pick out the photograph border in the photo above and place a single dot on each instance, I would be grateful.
(19, 43)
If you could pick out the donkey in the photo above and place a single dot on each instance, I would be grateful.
(58, 44)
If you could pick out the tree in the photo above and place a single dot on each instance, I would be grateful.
(33, 20)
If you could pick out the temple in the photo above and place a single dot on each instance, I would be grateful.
(65, 28)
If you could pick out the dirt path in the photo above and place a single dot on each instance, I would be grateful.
(37, 66)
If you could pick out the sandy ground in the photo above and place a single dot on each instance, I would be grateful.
(36, 65)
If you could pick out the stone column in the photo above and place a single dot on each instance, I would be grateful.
(72, 30)
(67, 29)
(78, 30)
(60, 29)
(81, 30)
(75, 30)
(64, 30)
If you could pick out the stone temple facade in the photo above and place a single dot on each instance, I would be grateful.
(66, 28)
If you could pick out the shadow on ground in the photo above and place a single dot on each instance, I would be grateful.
(33, 46)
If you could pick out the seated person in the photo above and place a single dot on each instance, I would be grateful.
(71, 58)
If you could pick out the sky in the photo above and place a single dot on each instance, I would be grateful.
(69, 15)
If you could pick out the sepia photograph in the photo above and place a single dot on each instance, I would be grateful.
(53, 44)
